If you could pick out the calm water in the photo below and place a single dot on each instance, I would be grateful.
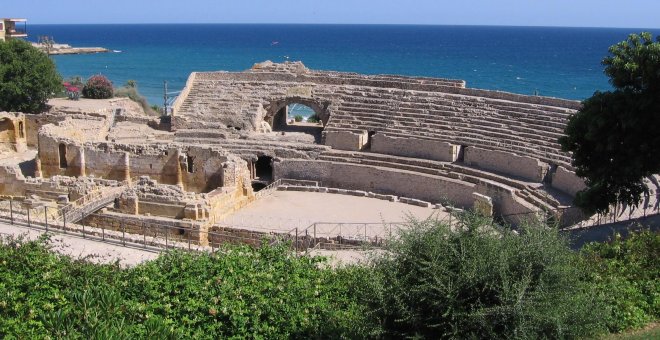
(558, 62)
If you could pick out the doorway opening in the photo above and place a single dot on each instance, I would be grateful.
(62, 153)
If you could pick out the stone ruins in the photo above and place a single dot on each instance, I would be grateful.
(424, 141)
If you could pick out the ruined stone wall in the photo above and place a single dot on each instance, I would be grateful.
(12, 132)
(386, 181)
(430, 188)
(520, 166)
(207, 169)
(34, 122)
(567, 181)
(149, 226)
(49, 155)
(414, 147)
(346, 140)
(160, 167)
(12, 181)
(107, 165)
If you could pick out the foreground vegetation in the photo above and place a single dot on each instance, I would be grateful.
(432, 283)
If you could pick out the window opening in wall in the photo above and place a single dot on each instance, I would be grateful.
(21, 134)
(62, 153)
(190, 164)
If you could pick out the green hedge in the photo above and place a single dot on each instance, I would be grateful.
(431, 282)
(236, 292)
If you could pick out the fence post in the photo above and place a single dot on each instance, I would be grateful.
(11, 211)
(82, 223)
(103, 231)
(314, 234)
(189, 232)
(296, 245)
(166, 232)
(365, 232)
(123, 233)
(64, 220)
(46, 217)
(144, 235)
(28, 213)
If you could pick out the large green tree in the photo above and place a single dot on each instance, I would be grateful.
(27, 77)
(615, 137)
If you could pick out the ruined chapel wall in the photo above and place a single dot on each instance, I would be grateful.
(12, 181)
(106, 165)
(207, 169)
(12, 132)
(34, 122)
(49, 155)
(159, 167)
(413, 147)
(567, 181)
(504, 162)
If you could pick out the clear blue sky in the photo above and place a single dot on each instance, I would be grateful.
(589, 13)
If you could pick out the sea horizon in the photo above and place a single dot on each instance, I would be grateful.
(562, 62)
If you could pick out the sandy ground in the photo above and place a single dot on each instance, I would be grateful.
(78, 247)
(284, 210)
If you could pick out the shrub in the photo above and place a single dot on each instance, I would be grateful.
(627, 273)
(130, 90)
(481, 283)
(28, 78)
(98, 87)
(313, 118)
(298, 118)
(236, 292)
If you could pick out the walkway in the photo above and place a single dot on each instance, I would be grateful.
(79, 247)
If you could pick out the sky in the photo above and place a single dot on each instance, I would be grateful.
(570, 13)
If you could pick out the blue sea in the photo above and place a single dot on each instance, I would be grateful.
(557, 62)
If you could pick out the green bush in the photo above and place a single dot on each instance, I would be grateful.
(627, 273)
(298, 118)
(481, 283)
(28, 78)
(236, 292)
(130, 90)
(313, 118)
(98, 87)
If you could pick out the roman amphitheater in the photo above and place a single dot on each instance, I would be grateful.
(208, 172)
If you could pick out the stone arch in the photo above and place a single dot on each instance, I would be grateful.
(276, 110)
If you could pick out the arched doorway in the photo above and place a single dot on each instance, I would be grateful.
(298, 115)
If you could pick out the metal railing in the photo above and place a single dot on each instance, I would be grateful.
(269, 189)
(317, 235)
(148, 235)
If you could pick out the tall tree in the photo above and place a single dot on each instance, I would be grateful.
(615, 137)
(27, 77)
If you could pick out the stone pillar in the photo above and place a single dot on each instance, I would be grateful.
(127, 168)
(83, 170)
(483, 205)
(37, 168)
(179, 173)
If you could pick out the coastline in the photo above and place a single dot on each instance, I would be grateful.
(64, 49)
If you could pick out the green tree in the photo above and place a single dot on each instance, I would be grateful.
(27, 77)
(614, 137)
